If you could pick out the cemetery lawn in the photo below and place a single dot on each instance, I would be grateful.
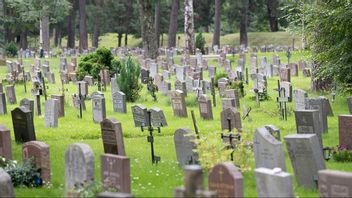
(160, 180)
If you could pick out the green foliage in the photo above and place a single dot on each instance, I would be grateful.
(200, 42)
(91, 64)
(128, 80)
(11, 49)
(342, 155)
(22, 174)
(218, 76)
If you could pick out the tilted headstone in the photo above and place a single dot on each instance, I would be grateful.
(51, 113)
(79, 166)
(232, 115)
(3, 108)
(268, 151)
(6, 187)
(226, 180)
(185, 145)
(11, 94)
(5, 143)
(23, 126)
(299, 98)
(61, 101)
(40, 152)
(345, 131)
(307, 122)
(157, 117)
(115, 172)
(178, 103)
(306, 158)
(273, 183)
(140, 115)
(333, 183)
(99, 109)
(205, 107)
(119, 102)
(111, 133)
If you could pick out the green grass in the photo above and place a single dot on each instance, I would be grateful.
(160, 180)
(255, 39)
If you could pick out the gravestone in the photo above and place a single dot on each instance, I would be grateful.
(79, 166)
(61, 101)
(306, 158)
(28, 104)
(287, 90)
(268, 151)
(77, 102)
(334, 183)
(140, 115)
(111, 133)
(84, 88)
(119, 102)
(228, 103)
(327, 106)
(299, 98)
(113, 195)
(51, 77)
(51, 113)
(165, 88)
(211, 72)
(205, 107)
(184, 145)
(285, 74)
(1, 88)
(345, 131)
(181, 85)
(40, 152)
(319, 104)
(5, 143)
(273, 183)
(180, 73)
(99, 110)
(293, 68)
(11, 94)
(157, 117)
(226, 180)
(232, 115)
(189, 83)
(6, 187)
(23, 126)
(233, 93)
(193, 182)
(89, 80)
(178, 103)
(349, 102)
(307, 122)
(115, 172)
(3, 108)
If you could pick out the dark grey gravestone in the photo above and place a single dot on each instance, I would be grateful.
(327, 106)
(3, 108)
(184, 145)
(11, 94)
(61, 100)
(6, 187)
(268, 151)
(178, 103)
(111, 133)
(273, 183)
(235, 118)
(99, 110)
(51, 113)
(307, 122)
(119, 102)
(333, 183)
(140, 115)
(205, 107)
(318, 103)
(306, 158)
(157, 117)
(23, 126)
(28, 104)
(181, 85)
(299, 98)
(79, 166)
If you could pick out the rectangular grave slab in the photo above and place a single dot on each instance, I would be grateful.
(51, 115)
(299, 98)
(307, 122)
(119, 102)
(5, 143)
(319, 104)
(11, 94)
(178, 103)
(115, 172)
(345, 131)
(23, 126)
(61, 101)
(3, 108)
(140, 115)
(111, 133)
(306, 158)
(333, 183)
(99, 109)
(230, 119)
(184, 145)
(28, 103)
(205, 107)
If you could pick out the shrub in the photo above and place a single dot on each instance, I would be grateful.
(200, 42)
(128, 80)
(11, 49)
(218, 76)
(341, 154)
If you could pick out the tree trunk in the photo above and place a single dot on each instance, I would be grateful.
(2, 27)
(150, 44)
(57, 35)
(23, 40)
(273, 14)
(157, 22)
(173, 23)
(119, 39)
(189, 27)
(243, 24)
(126, 39)
(45, 33)
(217, 23)
(83, 36)
(71, 28)
(96, 33)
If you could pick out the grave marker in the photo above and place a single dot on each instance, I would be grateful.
(99, 110)
(115, 172)
(6, 187)
(3, 108)
(232, 116)
(51, 113)
(184, 145)
(345, 131)
(11, 94)
(23, 126)
(178, 104)
(273, 183)
(119, 102)
(111, 133)
(205, 107)
(334, 183)
(5, 143)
